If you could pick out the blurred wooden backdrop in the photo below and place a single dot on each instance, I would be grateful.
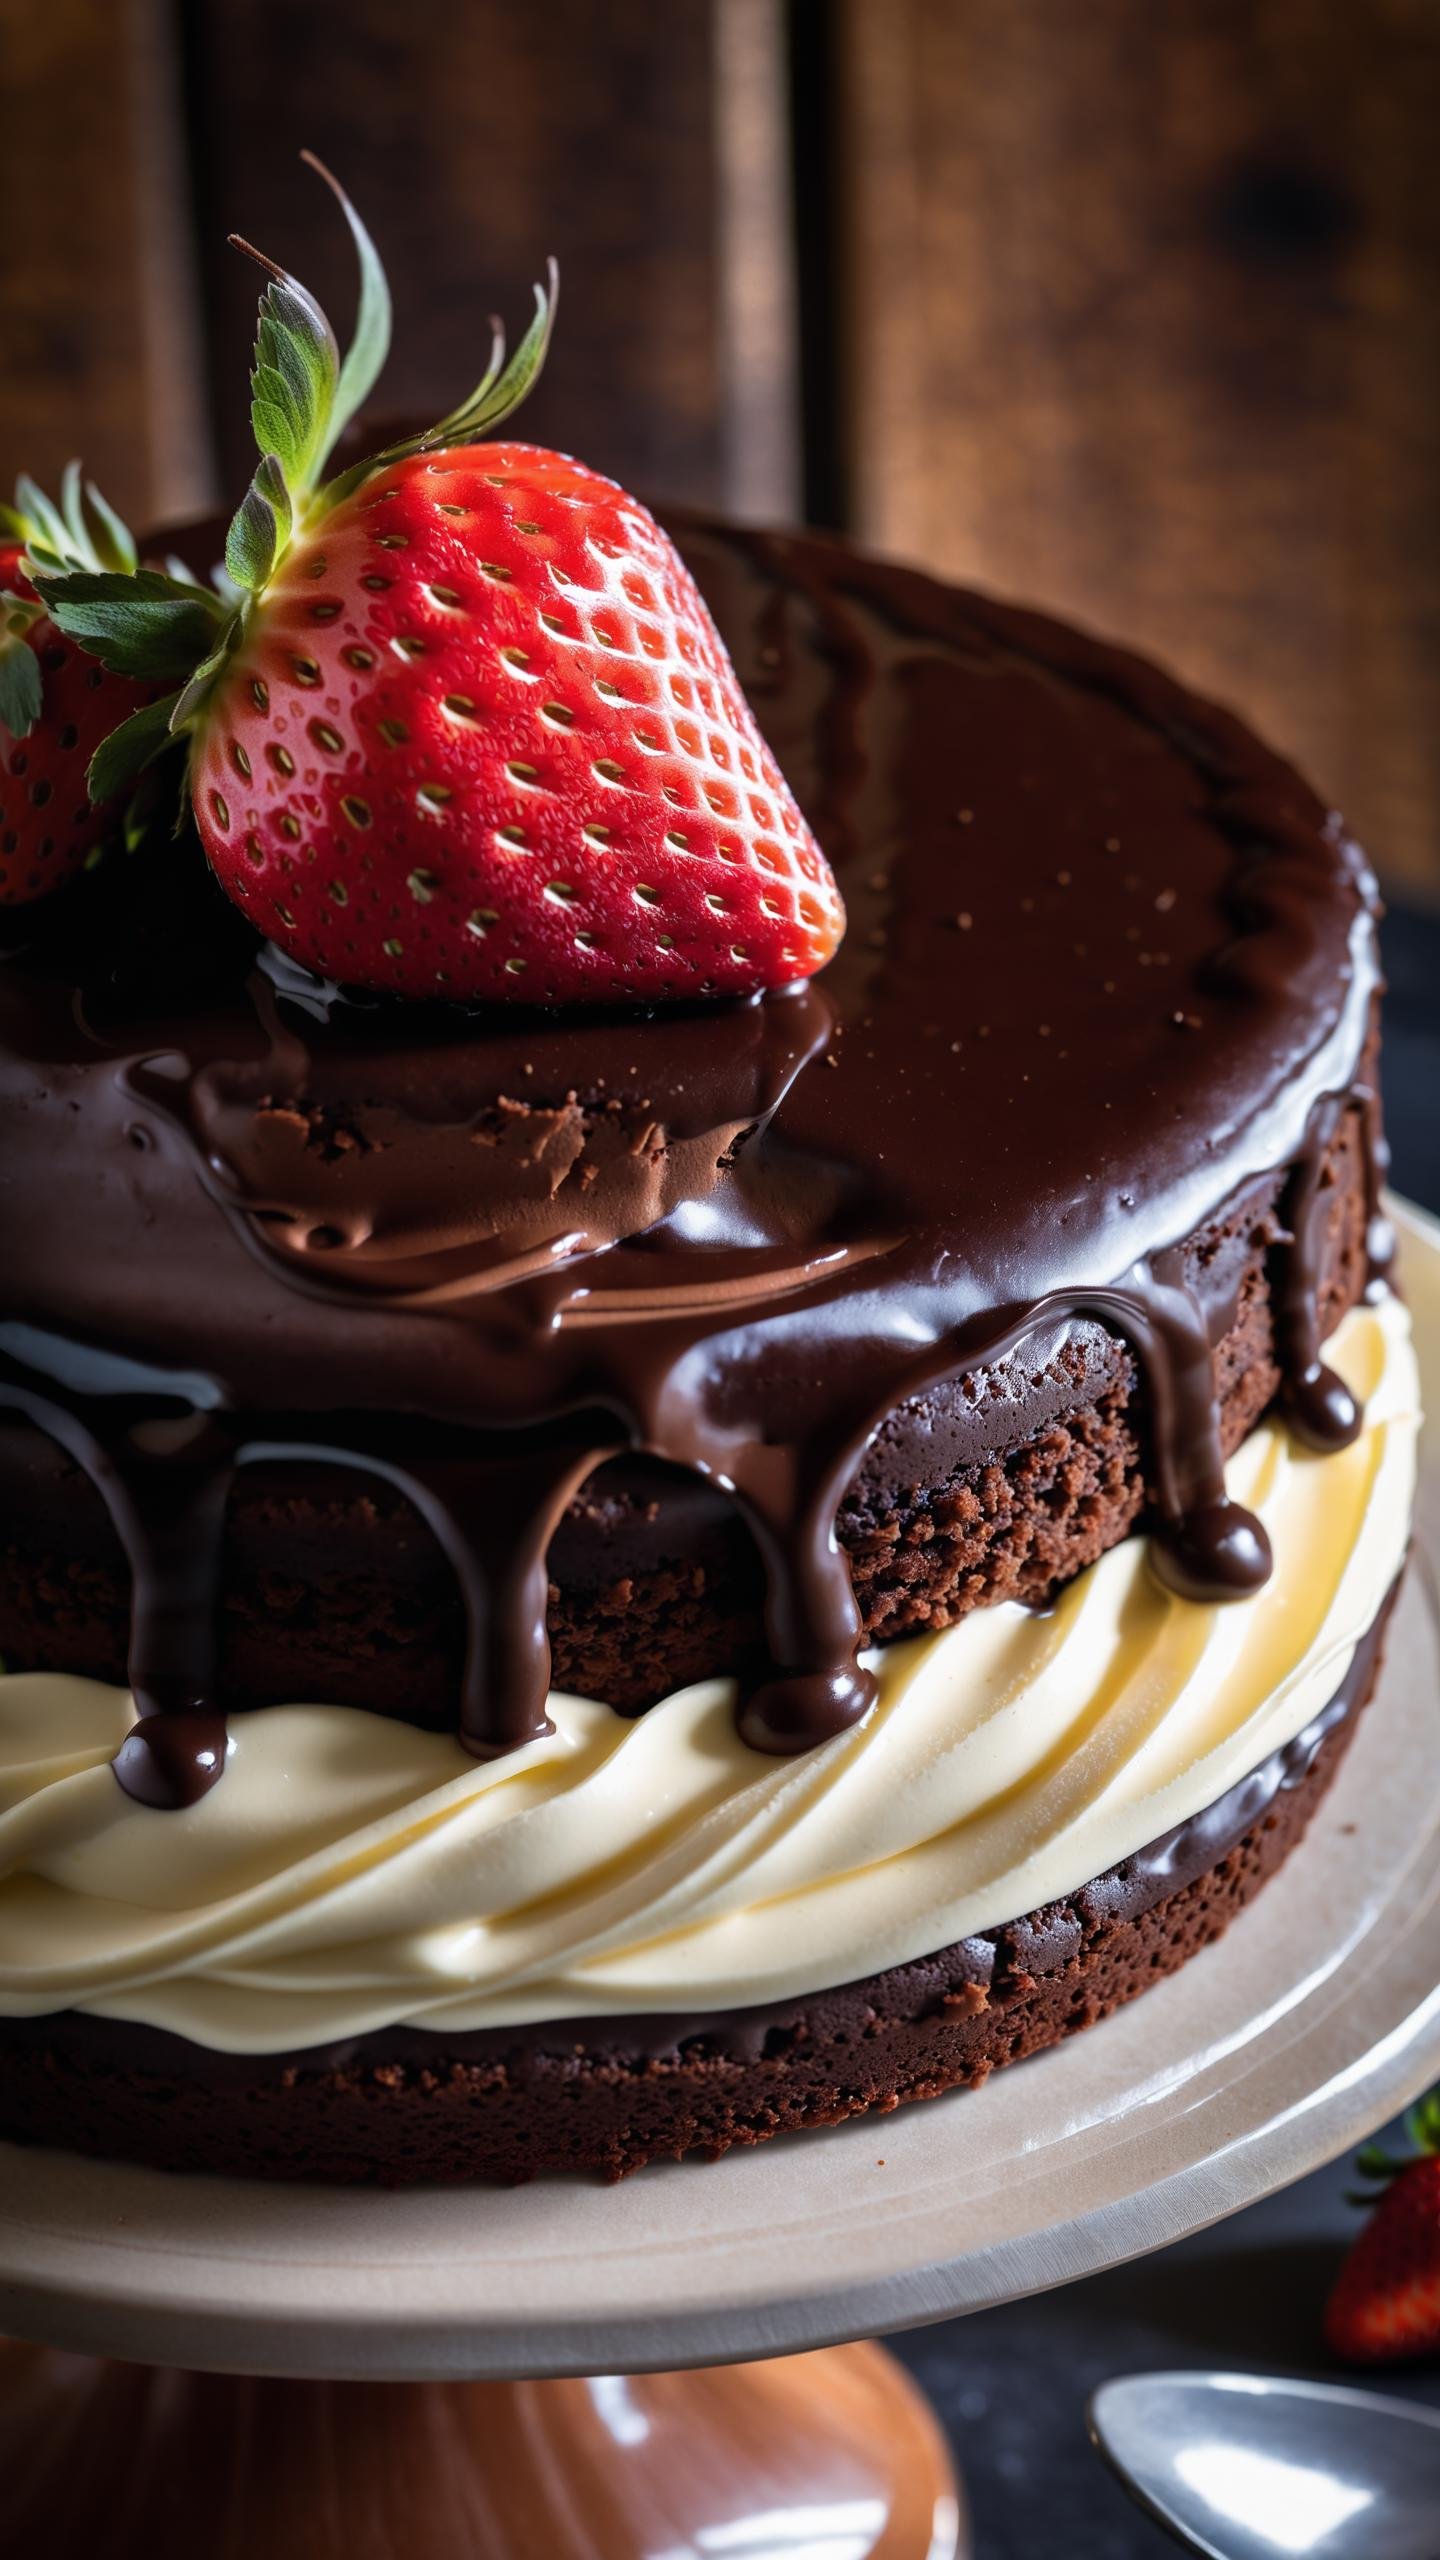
(1132, 306)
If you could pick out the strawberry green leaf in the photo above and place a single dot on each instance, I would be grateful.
(129, 749)
(72, 505)
(142, 625)
(495, 401)
(502, 387)
(260, 527)
(83, 532)
(19, 687)
(98, 538)
(496, 395)
(1423, 2123)
(370, 345)
(182, 575)
(189, 699)
(40, 517)
(297, 366)
(114, 546)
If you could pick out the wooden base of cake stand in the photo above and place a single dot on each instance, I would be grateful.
(834, 2453)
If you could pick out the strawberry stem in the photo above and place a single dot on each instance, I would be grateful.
(237, 240)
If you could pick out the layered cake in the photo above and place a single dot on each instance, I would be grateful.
(601, 1578)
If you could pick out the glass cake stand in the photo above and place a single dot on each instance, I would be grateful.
(559, 2348)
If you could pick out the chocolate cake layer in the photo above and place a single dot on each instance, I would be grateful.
(402, 2107)
(340, 1592)
(398, 1347)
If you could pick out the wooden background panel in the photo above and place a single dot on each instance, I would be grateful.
(1141, 320)
(637, 142)
(98, 346)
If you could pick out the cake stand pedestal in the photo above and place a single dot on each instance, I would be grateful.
(832, 2456)
(435, 2336)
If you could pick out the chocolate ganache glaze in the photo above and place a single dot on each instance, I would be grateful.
(1108, 961)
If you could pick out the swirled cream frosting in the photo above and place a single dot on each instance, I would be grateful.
(354, 1873)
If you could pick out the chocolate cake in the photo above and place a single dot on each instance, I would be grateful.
(438, 1370)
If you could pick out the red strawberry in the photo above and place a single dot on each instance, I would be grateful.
(471, 731)
(1385, 2308)
(482, 739)
(56, 705)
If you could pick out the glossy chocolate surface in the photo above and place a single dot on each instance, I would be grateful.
(1108, 961)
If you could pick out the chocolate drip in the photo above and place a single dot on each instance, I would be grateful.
(1109, 964)
(165, 1483)
(169, 1505)
(1206, 1546)
(171, 1760)
(494, 1523)
(811, 1685)
(1319, 1407)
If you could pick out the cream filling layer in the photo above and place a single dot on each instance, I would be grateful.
(351, 1873)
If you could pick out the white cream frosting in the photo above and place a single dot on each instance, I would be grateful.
(350, 1872)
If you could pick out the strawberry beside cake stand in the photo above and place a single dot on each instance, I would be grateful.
(559, 2344)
